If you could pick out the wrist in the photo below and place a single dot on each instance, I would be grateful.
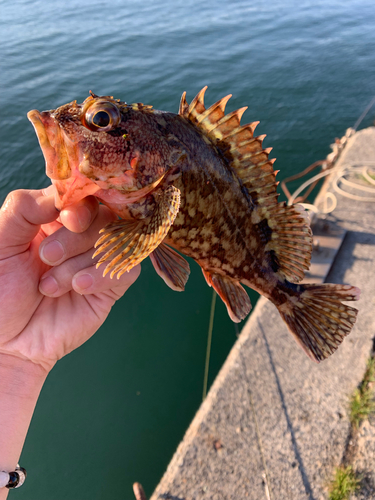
(20, 384)
(20, 377)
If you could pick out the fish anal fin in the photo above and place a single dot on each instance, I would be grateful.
(171, 267)
(231, 293)
(318, 320)
(127, 243)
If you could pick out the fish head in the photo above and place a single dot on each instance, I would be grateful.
(88, 151)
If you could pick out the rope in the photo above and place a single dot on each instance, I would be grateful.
(327, 166)
(356, 168)
(340, 177)
(307, 183)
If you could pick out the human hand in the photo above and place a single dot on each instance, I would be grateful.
(46, 311)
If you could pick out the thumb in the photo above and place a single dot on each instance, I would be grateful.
(21, 215)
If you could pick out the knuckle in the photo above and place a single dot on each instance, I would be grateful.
(14, 198)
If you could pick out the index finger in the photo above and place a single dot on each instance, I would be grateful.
(21, 216)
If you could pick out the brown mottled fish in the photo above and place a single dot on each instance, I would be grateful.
(200, 183)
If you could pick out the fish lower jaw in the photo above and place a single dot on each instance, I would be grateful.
(72, 190)
(112, 195)
(117, 196)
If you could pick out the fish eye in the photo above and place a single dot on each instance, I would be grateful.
(101, 116)
(101, 119)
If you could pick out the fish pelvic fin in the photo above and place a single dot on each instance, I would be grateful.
(285, 230)
(318, 320)
(126, 243)
(171, 267)
(231, 293)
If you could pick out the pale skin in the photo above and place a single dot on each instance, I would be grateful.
(45, 310)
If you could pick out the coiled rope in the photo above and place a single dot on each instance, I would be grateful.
(339, 176)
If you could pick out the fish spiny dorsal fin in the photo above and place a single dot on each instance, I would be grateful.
(286, 229)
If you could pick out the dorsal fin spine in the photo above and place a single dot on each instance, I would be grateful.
(229, 124)
(230, 132)
(266, 189)
(183, 105)
(248, 156)
(218, 106)
(197, 104)
(259, 139)
(233, 114)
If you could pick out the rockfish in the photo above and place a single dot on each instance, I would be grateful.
(201, 183)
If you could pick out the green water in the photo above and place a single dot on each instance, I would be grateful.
(114, 411)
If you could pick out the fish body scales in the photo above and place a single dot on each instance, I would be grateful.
(201, 183)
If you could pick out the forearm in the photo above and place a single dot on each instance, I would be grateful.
(20, 385)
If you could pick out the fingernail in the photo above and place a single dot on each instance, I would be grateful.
(84, 216)
(83, 281)
(48, 285)
(52, 252)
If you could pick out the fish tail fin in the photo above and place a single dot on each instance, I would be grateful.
(318, 320)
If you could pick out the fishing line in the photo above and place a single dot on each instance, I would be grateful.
(209, 341)
(372, 102)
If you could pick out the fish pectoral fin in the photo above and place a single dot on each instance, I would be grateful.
(232, 294)
(171, 267)
(126, 243)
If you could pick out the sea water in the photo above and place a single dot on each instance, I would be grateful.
(113, 412)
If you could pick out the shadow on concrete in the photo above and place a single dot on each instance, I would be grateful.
(299, 460)
(168, 496)
(345, 257)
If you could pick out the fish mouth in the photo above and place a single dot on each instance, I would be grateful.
(71, 185)
(52, 144)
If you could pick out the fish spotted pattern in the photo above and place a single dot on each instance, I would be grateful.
(201, 183)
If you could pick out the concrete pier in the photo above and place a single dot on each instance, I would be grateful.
(274, 424)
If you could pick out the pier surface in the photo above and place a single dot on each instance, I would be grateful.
(274, 424)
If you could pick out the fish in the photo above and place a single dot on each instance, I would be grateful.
(196, 183)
